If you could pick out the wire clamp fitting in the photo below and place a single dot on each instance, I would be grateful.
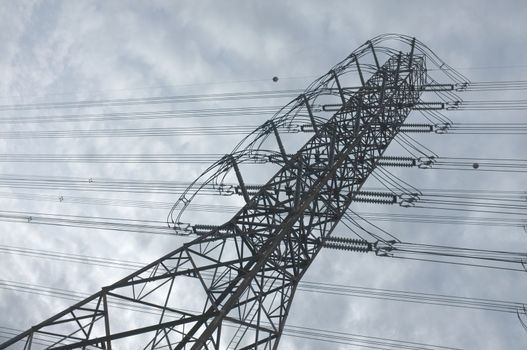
(426, 162)
(442, 128)
(408, 200)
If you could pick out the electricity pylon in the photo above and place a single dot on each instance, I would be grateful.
(244, 273)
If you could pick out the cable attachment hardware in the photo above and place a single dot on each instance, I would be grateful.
(453, 105)
(293, 128)
(350, 244)
(332, 107)
(258, 157)
(251, 190)
(437, 87)
(407, 200)
(426, 162)
(442, 128)
(428, 106)
(459, 87)
(397, 161)
(375, 197)
(183, 228)
(241, 183)
(277, 157)
(384, 248)
(522, 311)
(417, 128)
(224, 190)
(201, 230)
(307, 128)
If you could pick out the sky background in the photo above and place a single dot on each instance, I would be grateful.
(75, 50)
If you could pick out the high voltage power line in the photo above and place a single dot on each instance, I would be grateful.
(154, 100)
(330, 289)
(432, 162)
(391, 248)
(293, 331)
(219, 130)
(506, 196)
(248, 111)
(306, 286)
(266, 79)
(242, 95)
(438, 198)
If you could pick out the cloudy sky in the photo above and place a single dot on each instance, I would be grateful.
(58, 51)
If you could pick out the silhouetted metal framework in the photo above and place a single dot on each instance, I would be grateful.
(247, 270)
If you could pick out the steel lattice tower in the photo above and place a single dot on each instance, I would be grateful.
(247, 269)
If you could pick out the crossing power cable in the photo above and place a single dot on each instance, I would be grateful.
(305, 286)
(185, 229)
(260, 157)
(475, 164)
(211, 97)
(290, 330)
(200, 158)
(237, 95)
(138, 132)
(94, 222)
(402, 249)
(214, 208)
(248, 111)
(461, 256)
(94, 184)
(225, 130)
(488, 105)
(509, 201)
(503, 128)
